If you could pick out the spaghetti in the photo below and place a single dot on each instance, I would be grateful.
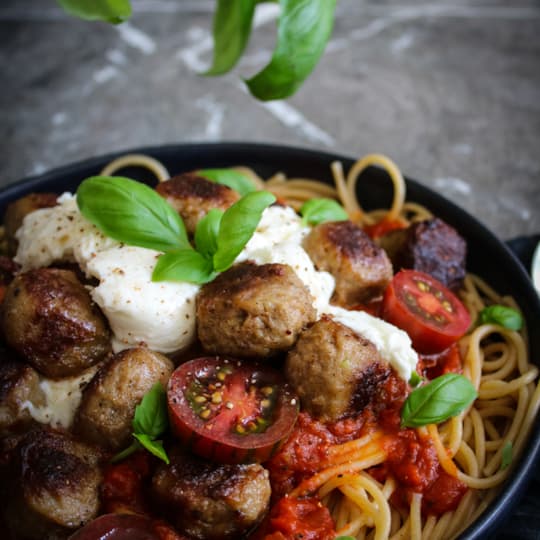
(472, 447)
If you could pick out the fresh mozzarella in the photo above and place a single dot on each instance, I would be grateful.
(393, 344)
(159, 315)
(62, 398)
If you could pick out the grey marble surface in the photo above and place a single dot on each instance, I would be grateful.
(449, 90)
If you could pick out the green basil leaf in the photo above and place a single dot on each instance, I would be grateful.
(435, 402)
(415, 379)
(154, 447)
(304, 28)
(206, 233)
(238, 225)
(151, 414)
(231, 30)
(184, 265)
(344, 538)
(507, 452)
(230, 178)
(502, 315)
(113, 11)
(131, 212)
(317, 211)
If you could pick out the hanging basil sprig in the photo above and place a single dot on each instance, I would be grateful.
(135, 214)
(442, 398)
(113, 11)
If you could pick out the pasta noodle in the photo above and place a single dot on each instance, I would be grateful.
(470, 446)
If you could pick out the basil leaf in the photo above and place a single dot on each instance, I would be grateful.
(151, 414)
(184, 265)
(230, 178)
(238, 225)
(304, 28)
(154, 447)
(316, 211)
(502, 315)
(506, 458)
(231, 30)
(207, 231)
(113, 11)
(442, 398)
(344, 538)
(131, 212)
(415, 379)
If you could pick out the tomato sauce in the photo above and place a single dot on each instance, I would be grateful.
(435, 365)
(412, 459)
(383, 227)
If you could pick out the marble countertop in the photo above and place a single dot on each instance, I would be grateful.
(449, 90)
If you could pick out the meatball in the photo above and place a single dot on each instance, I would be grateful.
(362, 269)
(253, 311)
(211, 501)
(17, 210)
(52, 485)
(49, 318)
(334, 370)
(19, 382)
(431, 246)
(108, 403)
(192, 196)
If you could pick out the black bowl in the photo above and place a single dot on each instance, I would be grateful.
(487, 256)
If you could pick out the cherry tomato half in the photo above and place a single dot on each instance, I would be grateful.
(432, 315)
(230, 411)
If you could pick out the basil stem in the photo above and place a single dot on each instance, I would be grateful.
(502, 315)
(113, 11)
(507, 454)
(316, 211)
(303, 30)
(131, 212)
(442, 398)
(231, 30)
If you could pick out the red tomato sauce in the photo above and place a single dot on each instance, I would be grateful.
(412, 459)
(383, 227)
(434, 365)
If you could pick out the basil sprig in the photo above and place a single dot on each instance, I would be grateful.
(135, 214)
(131, 212)
(303, 30)
(507, 454)
(113, 11)
(502, 315)
(316, 211)
(442, 398)
(149, 423)
(230, 178)
(231, 31)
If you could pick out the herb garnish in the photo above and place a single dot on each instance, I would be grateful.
(135, 214)
(440, 399)
(149, 423)
(502, 315)
(230, 178)
(321, 210)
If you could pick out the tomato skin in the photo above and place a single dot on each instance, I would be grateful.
(433, 316)
(235, 393)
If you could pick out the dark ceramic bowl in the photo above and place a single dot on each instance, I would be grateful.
(487, 256)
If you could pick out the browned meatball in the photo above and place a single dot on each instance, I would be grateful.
(18, 383)
(431, 246)
(210, 501)
(334, 370)
(193, 196)
(52, 486)
(253, 311)
(108, 403)
(49, 318)
(362, 269)
(17, 210)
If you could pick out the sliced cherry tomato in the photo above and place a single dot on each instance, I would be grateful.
(433, 316)
(231, 411)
